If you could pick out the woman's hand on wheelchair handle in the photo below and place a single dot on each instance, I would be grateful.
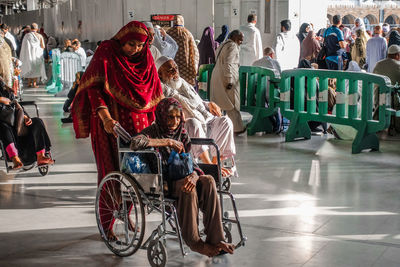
(109, 126)
(190, 182)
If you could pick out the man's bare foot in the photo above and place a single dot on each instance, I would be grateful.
(205, 249)
(17, 163)
(227, 247)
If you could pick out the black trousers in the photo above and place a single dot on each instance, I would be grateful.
(36, 140)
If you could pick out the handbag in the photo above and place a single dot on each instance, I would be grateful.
(179, 165)
(19, 124)
(7, 114)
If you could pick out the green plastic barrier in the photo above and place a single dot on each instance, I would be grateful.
(54, 85)
(365, 125)
(204, 80)
(253, 90)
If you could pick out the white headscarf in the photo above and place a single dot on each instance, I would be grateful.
(353, 66)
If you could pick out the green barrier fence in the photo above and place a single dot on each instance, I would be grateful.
(254, 82)
(204, 80)
(305, 91)
(55, 85)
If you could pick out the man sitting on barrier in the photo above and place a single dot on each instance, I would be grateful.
(390, 67)
(195, 191)
(203, 119)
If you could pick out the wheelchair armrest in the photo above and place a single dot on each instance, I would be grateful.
(209, 142)
(30, 103)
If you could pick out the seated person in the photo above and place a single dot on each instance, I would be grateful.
(76, 45)
(71, 96)
(194, 192)
(23, 149)
(67, 46)
(202, 119)
(268, 61)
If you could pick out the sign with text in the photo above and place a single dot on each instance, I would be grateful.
(163, 20)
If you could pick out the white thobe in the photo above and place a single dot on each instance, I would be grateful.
(32, 57)
(200, 123)
(376, 51)
(155, 52)
(287, 50)
(81, 52)
(251, 48)
(10, 37)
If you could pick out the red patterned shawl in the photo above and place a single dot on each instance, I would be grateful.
(130, 82)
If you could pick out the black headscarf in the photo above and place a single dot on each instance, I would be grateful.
(304, 64)
(394, 38)
(222, 36)
(302, 32)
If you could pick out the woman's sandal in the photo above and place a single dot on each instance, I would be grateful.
(46, 162)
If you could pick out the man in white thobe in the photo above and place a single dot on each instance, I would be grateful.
(287, 47)
(225, 88)
(251, 48)
(376, 48)
(32, 57)
(76, 45)
(164, 43)
(154, 51)
(202, 119)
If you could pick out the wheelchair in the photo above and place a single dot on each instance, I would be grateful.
(43, 170)
(124, 199)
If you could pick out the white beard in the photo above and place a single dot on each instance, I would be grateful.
(175, 84)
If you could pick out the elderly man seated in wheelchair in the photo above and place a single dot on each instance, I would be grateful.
(193, 192)
(203, 119)
(25, 140)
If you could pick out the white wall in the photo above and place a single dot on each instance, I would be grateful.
(101, 19)
(197, 13)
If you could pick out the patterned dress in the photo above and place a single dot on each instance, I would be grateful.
(187, 57)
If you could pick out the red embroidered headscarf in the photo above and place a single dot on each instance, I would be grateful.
(130, 81)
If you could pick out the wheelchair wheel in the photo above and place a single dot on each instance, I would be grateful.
(227, 234)
(226, 184)
(120, 214)
(43, 170)
(156, 253)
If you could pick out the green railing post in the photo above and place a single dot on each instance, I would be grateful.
(353, 99)
(204, 80)
(311, 95)
(323, 96)
(340, 98)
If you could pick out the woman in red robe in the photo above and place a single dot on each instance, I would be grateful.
(120, 85)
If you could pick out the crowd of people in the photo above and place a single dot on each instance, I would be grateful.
(144, 79)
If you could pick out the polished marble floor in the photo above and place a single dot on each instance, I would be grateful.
(306, 203)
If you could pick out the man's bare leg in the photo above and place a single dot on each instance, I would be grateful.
(205, 158)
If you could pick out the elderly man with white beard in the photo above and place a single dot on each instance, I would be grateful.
(203, 119)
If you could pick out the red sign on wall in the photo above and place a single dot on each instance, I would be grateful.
(162, 17)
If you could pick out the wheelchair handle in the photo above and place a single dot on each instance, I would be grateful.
(202, 141)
